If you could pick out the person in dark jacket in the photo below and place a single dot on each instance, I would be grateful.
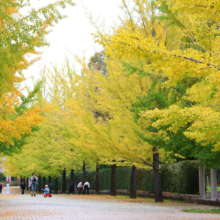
(71, 187)
(22, 187)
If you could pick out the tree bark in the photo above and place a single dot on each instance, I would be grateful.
(97, 178)
(44, 182)
(64, 181)
(157, 181)
(50, 183)
(113, 180)
(27, 184)
(72, 178)
(56, 185)
(72, 175)
(84, 172)
(39, 184)
(133, 182)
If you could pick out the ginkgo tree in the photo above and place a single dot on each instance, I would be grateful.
(20, 36)
(195, 64)
(185, 59)
(160, 84)
(50, 151)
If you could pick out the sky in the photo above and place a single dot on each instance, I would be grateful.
(73, 34)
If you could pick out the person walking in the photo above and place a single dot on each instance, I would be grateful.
(22, 187)
(86, 187)
(33, 184)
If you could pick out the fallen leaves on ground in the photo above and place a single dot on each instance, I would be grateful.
(120, 198)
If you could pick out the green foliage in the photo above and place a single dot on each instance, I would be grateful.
(20, 35)
(2, 177)
(97, 62)
(123, 177)
(145, 180)
(26, 102)
(105, 179)
(213, 211)
(181, 177)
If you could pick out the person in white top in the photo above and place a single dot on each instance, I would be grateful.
(86, 187)
(80, 187)
(29, 183)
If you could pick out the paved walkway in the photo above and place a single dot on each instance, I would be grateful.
(16, 206)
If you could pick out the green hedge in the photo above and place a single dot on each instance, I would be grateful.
(2, 177)
(181, 177)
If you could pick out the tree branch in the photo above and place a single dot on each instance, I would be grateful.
(14, 24)
(146, 163)
(129, 14)
(182, 94)
(214, 107)
(178, 56)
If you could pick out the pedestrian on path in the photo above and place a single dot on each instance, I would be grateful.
(80, 187)
(1, 187)
(33, 184)
(71, 187)
(29, 183)
(86, 188)
(22, 187)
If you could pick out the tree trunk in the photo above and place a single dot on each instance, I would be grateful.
(133, 182)
(72, 175)
(20, 182)
(72, 179)
(64, 181)
(27, 184)
(97, 178)
(50, 183)
(39, 184)
(44, 182)
(157, 181)
(113, 180)
(56, 185)
(84, 172)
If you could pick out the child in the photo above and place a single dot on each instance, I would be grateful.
(46, 190)
(22, 187)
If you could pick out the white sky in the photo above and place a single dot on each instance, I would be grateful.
(73, 34)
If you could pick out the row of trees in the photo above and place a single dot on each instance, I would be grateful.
(21, 37)
(152, 96)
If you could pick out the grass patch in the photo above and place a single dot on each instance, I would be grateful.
(212, 211)
(209, 188)
(121, 198)
(143, 200)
